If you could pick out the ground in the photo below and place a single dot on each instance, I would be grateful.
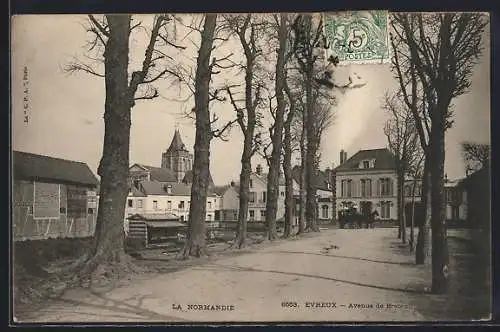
(366, 273)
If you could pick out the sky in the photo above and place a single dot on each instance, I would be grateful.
(65, 114)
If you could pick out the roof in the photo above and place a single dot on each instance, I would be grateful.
(384, 160)
(136, 192)
(160, 188)
(160, 174)
(321, 179)
(177, 144)
(38, 167)
(188, 178)
(220, 190)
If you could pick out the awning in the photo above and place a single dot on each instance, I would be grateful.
(154, 217)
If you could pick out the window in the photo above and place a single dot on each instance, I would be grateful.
(455, 213)
(385, 209)
(264, 196)
(366, 164)
(263, 213)
(282, 194)
(324, 211)
(343, 188)
(251, 197)
(169, 205)
(139, 203)
(130, 203)
(155, 205)
(209, 205)
(252, 214)
(386, 187)
(181, 205)
(251, 183)
(349, 188)
(90, 211)
(209, 217)
(366, 187)
(62, 210)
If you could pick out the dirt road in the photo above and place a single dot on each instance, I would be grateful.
(339, 275)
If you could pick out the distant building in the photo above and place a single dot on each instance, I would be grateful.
(367, 179)
(478, 188)
(167, 189)
(177, 158)
(257, 198)
(325, 211)
(52, 198)
(455, 200)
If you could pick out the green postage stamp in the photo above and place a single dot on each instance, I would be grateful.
(358, 36)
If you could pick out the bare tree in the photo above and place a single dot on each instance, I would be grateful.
(444, 48)
(195, 242)
(277, 131)
(111, 38)
(476, 156)
(248, 32)
(403, 143)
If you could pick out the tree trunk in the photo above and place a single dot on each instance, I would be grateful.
(195, 242)
(287, 170)
(311, 204)
(422, 247)
(412, 220)
(275, 162)
(401, 214)
(246, 170)
(440, 258)
(303, 197)
(108, 245)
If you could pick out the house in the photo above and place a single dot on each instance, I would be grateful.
(163, 197)
(52, 198)
(257, 198)
(176, 166)
(367, 179)
(455, 200)
(324, 192)
(478, 193)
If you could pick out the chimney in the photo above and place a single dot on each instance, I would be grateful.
(343, 156)
(258, 170)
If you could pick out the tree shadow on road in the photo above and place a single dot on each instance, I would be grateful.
(101, 306)
(341, 256)
(233, 268)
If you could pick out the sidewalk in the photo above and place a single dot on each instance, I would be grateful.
(340, 275)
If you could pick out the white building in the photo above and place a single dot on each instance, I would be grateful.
(257, 198)
(368, 179)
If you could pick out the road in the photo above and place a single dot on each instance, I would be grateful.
(338, 275)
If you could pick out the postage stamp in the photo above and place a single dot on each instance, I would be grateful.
(358, 36)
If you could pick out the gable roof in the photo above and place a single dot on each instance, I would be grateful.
(32, 166)
(177, 144)
(159, 174)
(160, 188)
(384, 160)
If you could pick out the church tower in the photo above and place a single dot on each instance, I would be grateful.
(177, 157)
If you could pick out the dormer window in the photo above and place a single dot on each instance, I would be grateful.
(367, 164)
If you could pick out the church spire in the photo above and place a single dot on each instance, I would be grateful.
(176, 144)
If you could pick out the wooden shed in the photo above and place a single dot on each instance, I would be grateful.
(52, 198)
(151, 228)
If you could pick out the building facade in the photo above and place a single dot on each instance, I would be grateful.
(177, 158)
(52, 198)
(257, 198)
(367, 179)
